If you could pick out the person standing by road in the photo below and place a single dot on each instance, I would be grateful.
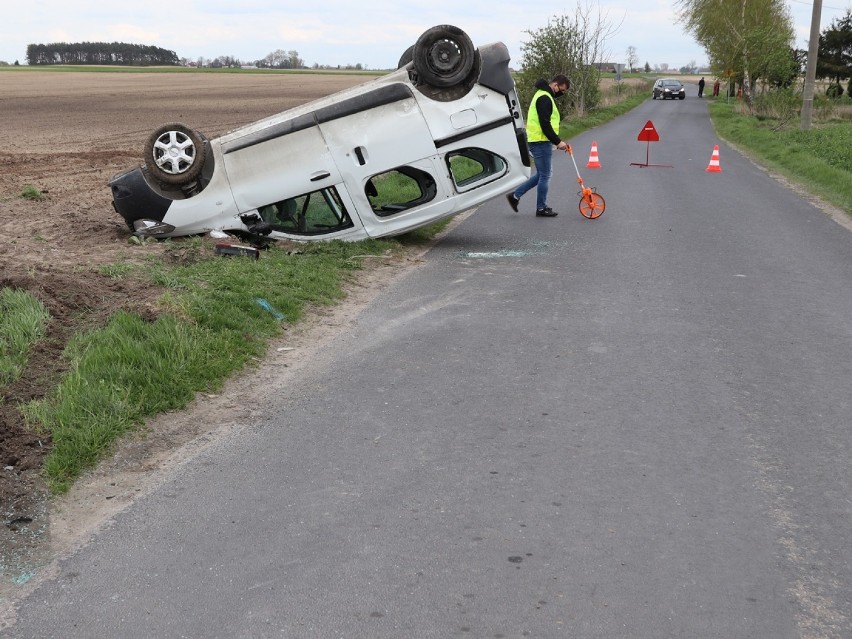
(701, 87)
(542, 134)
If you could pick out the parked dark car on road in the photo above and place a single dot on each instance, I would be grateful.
(669, 88)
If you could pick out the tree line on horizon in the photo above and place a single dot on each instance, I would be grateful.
(122, 53)
(118, 53)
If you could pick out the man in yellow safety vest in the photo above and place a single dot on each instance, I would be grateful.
(542, 135)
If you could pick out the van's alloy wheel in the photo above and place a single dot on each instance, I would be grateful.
(444, 56)
(174, 154)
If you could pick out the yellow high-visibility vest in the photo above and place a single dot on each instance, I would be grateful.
(534, 132)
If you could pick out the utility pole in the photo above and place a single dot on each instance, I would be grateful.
(810, 72)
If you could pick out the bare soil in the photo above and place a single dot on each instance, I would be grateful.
(67, 134)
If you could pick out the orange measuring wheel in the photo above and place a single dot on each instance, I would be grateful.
(592, 205)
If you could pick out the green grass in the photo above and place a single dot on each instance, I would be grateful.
(23, 320)
(820, 159)
(220, 314)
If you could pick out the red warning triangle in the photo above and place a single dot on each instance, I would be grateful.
(649, 133)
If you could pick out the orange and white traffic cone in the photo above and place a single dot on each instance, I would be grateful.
(714, 166)
(594, 162)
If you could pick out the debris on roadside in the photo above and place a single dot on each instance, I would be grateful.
(265, 305)
(227, 250)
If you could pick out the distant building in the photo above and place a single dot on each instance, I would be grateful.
(606, 67)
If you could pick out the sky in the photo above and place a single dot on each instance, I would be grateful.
(368, 32)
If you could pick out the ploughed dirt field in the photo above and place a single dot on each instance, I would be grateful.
(67, 134)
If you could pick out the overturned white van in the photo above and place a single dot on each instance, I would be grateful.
(439, 135)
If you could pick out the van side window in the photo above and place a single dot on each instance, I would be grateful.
(399, 189)
(313, 213)
(474, 167)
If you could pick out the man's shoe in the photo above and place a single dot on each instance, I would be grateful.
(513, 201)
(546, 212)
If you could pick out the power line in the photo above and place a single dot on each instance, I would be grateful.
(810, 4)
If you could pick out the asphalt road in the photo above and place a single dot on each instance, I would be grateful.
(637, 427)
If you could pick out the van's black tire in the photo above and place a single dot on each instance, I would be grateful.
(174, 154)
(443, 56)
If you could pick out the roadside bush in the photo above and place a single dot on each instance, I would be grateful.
(834, 91)
(778, 104)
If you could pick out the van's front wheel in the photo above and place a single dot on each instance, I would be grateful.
(444, 56)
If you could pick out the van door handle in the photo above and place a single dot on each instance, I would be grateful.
(320, 175)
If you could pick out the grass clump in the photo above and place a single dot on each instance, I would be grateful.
(29, 192)
(23, 320)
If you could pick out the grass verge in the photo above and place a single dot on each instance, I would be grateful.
(217, 315)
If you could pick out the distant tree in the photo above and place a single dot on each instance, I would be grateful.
(295, 62)
(835, 50)
(740, 36)
(647, 68)
(573, 45)
(690, 68)
(632, 58)
(280, 59)
(228, 61)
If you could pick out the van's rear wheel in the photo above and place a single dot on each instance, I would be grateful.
(443, 56)
(406, 57)
(174, 154)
